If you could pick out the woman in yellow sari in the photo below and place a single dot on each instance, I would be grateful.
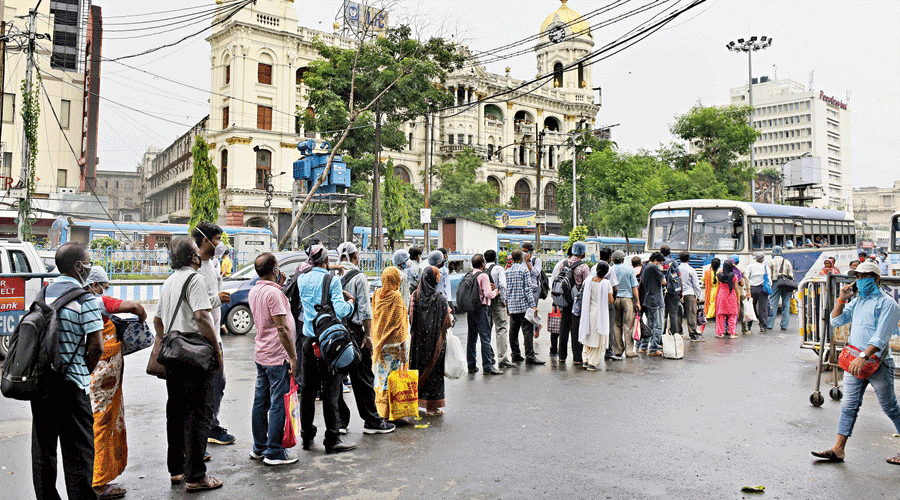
(110, 443)
(390, 333)
(711, 284)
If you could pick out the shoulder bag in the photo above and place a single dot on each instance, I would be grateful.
(850, 353)
(188, 350)
(784, 282)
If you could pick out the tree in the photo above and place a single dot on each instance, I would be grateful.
(460, 194)
(105, 242)
(395, 205)
(578, 233)
(204, 189)
(721, 135)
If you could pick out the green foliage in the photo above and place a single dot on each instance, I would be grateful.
(31, 111)
(721, 135)
(394, 205)
(460, 194)
(578, 233)
(105, 242)
(204, 188)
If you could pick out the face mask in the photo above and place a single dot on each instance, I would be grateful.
(83, 274)
(220, 250)
(278, 276)
(198, 263)
(866, 286)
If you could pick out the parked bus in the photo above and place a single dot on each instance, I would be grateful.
(894, 245)
(556, 243)
(720, 228)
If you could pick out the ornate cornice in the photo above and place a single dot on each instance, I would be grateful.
(238, 140)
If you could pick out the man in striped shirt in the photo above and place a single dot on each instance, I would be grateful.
(66, 416)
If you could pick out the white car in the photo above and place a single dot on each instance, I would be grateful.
(17, 294)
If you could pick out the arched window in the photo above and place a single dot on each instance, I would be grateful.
(301, 73)
(490, 151)
(550, 196)
(495, 183)
(551, 124)
(402, 174)
(263, 167)
(558, 75)
(224, 168)
(551, 157)
(523, 193)
(581, 83)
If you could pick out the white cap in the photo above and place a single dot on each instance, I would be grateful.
(868, 267)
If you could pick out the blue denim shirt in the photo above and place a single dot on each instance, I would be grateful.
(627, 280)
(310, 286)
(873, 320)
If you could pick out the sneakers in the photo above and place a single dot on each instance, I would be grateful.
(220, 435)
(343, 430)
(255, 456)
(381, 428)
(289, 458)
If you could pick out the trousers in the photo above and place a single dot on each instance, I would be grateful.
(568, 328)
(362, 379)
(315, 376)
(500, 321)
(690, 314)
(760, 304)
(517, 322)
(218, 394)
(188, 412)
(479, 330)
(623, 326)
(883, 383)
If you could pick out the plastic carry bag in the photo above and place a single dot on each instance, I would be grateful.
(794, 309)
(403, 393)
(749, 311)
(292, 417)
(637, 327)
(673, 346)
(455, 364)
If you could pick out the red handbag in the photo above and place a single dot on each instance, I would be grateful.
(850, 353)
(553, 320)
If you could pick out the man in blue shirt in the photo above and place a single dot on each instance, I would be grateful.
(314, 374)
(626, 304)
(65, 416)
(873, 317)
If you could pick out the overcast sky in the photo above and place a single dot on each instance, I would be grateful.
(851, 47)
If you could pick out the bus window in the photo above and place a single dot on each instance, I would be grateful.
(717, 229)
(756, 235)
(669, 227)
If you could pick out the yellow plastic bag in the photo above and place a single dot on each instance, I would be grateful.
(403, 393)
(794, 309)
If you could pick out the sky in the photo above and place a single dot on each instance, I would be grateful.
(849, 48)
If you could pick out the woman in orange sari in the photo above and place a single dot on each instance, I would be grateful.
(390, 334)
(110, 443)
(711, 284)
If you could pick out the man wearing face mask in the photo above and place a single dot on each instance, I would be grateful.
(208, 238)
(873, 317)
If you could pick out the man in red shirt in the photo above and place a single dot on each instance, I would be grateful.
(479, 323)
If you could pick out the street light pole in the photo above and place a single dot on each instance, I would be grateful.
(750, 46)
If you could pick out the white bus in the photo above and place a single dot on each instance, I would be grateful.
(720, 228)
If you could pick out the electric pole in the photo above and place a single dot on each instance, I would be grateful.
(427, 233)
(24, 177)
(537, 206)
(377, 237)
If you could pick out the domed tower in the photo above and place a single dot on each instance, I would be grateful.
(565, 38)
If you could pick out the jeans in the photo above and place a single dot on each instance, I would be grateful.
(883, 383)
(362, 380)
(761, 304)
(500, 320)
(65, 416)
(479, 328)
(785, 297)
(568, 328)
(656, 321)
(315, 376)
(268, 415)
(218, 393)
(517, 321)
(188, 411)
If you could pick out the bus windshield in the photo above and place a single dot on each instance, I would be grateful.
(717, 229)
(669, 227)
(895, 234)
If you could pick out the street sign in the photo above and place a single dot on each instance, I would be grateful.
(424, 216)
(12, 303)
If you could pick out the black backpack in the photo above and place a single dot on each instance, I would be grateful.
(334, 340)
(673, 279)
(468, 296)
(543, 281)
(33, 364)
(564, 284)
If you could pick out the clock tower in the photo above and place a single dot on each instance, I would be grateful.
(565, 38)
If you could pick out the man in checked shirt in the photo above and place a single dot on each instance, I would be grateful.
(520, 288)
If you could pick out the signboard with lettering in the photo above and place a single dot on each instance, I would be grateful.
(831, 100)
(361, 17)
(12, 303)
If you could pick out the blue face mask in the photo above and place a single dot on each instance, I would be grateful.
(866, 286)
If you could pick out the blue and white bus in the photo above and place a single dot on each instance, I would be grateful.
(556, 243)
(720, 228)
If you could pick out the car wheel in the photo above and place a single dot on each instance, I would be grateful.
(239, 320)
(4, 344)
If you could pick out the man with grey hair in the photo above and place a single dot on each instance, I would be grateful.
(778, 267)
(626, 303)
(438, 259)
(690, 289)
(756, 275)
(400, 260)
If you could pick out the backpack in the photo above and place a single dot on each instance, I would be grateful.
(564, 284)
(33, 364)
(673, 279)
(543, 282)
(491, 277)
(335, 344)
(468, 296)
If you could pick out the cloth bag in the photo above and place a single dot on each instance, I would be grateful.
(455, 364)
(553, 320)
(403, 393)
(134, 334)
(673, 346)
(749, 312)
(291, 417)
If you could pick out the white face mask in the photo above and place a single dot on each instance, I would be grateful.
(220, 250)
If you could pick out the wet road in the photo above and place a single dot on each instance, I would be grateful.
(731, 413)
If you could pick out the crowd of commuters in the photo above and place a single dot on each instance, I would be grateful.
(404, 323)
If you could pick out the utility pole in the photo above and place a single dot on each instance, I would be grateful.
(537, 206)
(427, 233)
(376, 184)
(25, 178)
(2, 60)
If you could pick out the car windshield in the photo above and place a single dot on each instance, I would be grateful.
(669, 227)
(245, 273)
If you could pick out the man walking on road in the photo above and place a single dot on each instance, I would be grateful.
(499, 317)
(208, 238)
(478, 321)
(627, 302)
(65, 416)
(873, 318)
(520, 299)
(359, 323)
(778, 267)
(690, 288)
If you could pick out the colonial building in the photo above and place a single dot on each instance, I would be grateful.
(258, 59)
(123, 190)
(874, 206)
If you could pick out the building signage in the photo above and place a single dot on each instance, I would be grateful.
(364, 18)
(12, 294)
(831, 100)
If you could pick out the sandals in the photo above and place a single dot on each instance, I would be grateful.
(176, 480)
(830, 456)
(436, 413)
(111, 491)
(894, 460)
(208, 483)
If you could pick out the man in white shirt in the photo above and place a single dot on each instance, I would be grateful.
(497, 311)
(208, 238)
(690, 289)
(756, 275)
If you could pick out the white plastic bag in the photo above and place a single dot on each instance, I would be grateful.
(673, 346)
(455, 358)
(749, 312)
